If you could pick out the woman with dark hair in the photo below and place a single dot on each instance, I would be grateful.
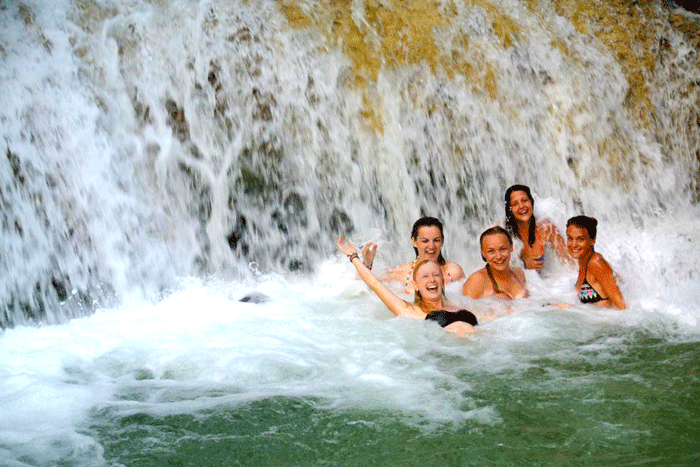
(596, 281)
(497, 278)
(521, 223)
(427, 238)
(429, 302)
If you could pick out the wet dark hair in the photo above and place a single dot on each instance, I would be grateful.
(511, 223)
(585, 222)
(428, 221)
(494, 230)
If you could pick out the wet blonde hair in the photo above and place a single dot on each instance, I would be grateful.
(417, 299)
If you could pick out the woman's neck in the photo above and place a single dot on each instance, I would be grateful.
(524, 230)
(585, 258)
(433, 304)
(504, 274)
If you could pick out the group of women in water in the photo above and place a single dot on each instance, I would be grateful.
(427, 275)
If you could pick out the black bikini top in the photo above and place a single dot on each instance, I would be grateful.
(445, 318)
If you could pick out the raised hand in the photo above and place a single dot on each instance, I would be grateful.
(533, 263)
(348, 249)
(368, 253)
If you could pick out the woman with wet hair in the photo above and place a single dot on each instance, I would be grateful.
(596, 282)
(427, 238)
(497, 278)
(521, 223)
(429, 301)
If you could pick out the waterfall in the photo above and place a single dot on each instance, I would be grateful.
(151, 141)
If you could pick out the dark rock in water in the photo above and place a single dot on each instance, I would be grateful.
(255, 297)
(690, 5)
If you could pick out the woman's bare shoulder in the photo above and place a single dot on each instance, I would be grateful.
(598, 264)
(455, 270)
(475, 284)
(479, 274)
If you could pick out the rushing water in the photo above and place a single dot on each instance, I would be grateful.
(166, 159)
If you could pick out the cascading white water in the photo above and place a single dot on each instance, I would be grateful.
(146, 142)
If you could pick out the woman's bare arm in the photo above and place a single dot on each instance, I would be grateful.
(603, 274)
(397, 305)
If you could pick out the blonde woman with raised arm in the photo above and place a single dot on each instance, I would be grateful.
(429, 302)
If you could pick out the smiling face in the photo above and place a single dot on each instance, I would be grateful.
(429, 281)
(496, 249)
(521, 206)
(428, 242)
(578, 241)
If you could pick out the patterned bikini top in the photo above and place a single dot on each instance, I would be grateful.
(587, 294)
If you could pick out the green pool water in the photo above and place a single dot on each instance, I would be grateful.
(633, 402)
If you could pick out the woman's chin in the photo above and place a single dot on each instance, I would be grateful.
(430, 295)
